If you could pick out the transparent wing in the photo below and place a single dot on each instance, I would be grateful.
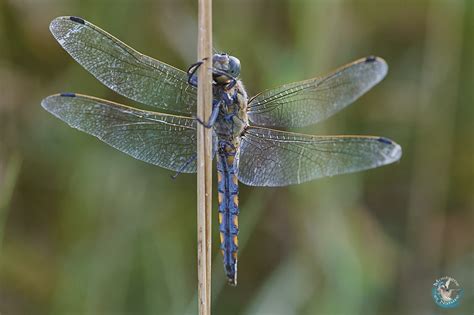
(122, 69)
(168, 141)
(276, 158)
(307, 102)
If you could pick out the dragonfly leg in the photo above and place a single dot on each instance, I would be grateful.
(192, 77)
(214, 114)
(183, 167)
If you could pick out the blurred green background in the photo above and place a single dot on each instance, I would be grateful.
(85, 229)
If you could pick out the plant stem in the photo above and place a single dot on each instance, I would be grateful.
(204, 157)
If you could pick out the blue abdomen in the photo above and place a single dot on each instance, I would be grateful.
(228, 189)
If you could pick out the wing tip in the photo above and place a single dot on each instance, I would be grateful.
(385, 140)
(373, 58)
(53, 24)
(68, 94)
(370, 58)
(397, 152)
(73, 18)
(77, 20)
(393, 152)
(48, 102)
(57, 22)
(377, 64)
(376, 59)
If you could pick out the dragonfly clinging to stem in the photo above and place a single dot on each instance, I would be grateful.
(247, 147)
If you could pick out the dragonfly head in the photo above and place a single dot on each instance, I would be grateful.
(225, 68)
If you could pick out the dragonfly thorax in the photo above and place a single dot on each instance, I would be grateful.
(232, 118)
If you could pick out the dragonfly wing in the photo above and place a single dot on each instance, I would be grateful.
(307, 102)
(165, 140)
(123, 69)
(270, 157)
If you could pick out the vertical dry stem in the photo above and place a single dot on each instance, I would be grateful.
(204, 157)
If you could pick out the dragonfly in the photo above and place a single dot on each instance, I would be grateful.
(248, 143)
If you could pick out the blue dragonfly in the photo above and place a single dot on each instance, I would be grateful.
(247, 147)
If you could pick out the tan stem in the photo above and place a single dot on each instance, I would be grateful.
(204, 157)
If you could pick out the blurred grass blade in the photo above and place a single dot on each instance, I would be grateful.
(7, 186)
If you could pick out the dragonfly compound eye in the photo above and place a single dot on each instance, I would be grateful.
(234, 66)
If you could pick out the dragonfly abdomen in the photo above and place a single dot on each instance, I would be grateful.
(228, 189)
